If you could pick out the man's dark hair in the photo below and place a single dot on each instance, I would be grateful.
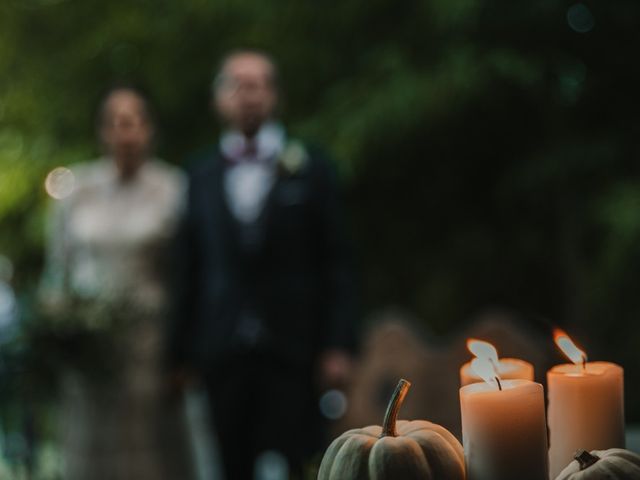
(218, 77)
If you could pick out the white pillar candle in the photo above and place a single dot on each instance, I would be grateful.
(504, 430)
(586, 406)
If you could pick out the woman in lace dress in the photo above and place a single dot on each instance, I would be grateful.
(107, 253)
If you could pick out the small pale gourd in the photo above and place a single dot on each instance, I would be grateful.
(399, 450)
(612, 464)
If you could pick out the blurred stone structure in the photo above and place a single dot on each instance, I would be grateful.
(394, 347)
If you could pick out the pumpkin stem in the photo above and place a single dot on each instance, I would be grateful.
(585, 459)
(390, 417)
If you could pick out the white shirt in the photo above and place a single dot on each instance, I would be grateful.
(248, 180)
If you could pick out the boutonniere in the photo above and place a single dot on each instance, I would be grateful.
(293, 158)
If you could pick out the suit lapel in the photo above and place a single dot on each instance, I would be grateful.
(219, 211)
(270, 203)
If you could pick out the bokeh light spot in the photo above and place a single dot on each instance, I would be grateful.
(271, 465)
(333, 404)
(60, 183)
(580, 18)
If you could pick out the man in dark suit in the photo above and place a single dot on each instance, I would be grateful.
(265, 300)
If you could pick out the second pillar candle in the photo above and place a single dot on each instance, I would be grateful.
(504, 431)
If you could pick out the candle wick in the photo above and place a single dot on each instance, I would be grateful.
(584, 362)
(499, 384)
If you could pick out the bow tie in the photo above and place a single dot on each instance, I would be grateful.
(248, 153)
(250, 150)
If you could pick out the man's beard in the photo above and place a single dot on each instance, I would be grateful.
(251, 123)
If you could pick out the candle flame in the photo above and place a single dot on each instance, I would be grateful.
(569, 348)
(484, 350)
(485, 370)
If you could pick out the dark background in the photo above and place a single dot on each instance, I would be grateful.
(488, 150)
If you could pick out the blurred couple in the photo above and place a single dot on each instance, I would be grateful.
(235, 277)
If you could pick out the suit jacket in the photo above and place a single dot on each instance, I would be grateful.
(289, 273)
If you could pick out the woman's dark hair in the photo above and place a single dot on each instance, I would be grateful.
(137, 90)
(147, 108)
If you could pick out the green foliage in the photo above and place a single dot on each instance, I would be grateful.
(489, 151)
